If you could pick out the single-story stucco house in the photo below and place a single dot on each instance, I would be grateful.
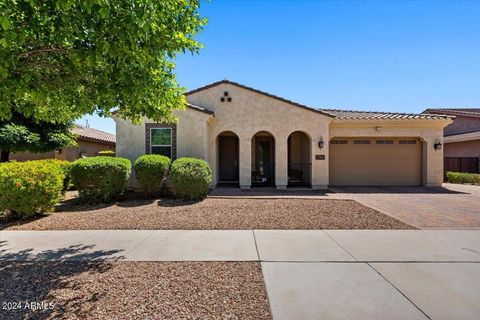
(461, 138)
(90, 142)
(252, 138)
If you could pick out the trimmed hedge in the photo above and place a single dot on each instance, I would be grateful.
(106, 153)
(65, 166)
(150, 169)
(30, 188)
(191, 178)
(462, 177)
(100, 179)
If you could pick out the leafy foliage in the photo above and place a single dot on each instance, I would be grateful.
(150, 169)
(30, 188)
(191, 178)
(60, 59)
(100, 179)
(22, 133)
(66, 166)
(464, 178)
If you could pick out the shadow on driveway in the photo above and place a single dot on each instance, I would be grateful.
(398, 190)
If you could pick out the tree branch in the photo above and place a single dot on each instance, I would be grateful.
(41, 51)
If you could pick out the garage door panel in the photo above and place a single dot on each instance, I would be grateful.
(376, 164)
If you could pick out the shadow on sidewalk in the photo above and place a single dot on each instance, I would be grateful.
(45, 289)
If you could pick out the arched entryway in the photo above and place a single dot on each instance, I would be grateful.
(227, 146)
(299, 159)
(263, 159)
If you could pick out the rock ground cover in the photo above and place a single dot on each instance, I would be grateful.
(133, 290)
(213, 214)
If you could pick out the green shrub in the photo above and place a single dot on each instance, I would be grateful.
(191, 178)
(65, 166)
(30, 188)
(150, 169)
(106, 153)
(462, 177)
(100, 179)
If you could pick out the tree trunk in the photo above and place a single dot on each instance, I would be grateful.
(5, 156)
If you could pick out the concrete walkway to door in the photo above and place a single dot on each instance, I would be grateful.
(314, 274)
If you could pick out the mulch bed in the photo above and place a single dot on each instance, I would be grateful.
(135, 290)
(213, 213)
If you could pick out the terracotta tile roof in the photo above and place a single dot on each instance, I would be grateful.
(470, 112)
(375, 115)
(94, 134)
(296, 104)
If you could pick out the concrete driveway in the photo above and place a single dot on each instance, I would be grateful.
(451, 207)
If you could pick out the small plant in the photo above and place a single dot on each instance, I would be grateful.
(106, 153)
(100, 179)
(30, 188)
(191, 178)
(462, 177)
(150, 169)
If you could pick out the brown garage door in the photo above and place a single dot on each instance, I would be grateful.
(375, 162)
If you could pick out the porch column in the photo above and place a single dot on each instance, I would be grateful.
(245, 158)
(432, 162)
(281, 162)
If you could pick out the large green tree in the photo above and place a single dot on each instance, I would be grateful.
(60, 59)
(20, 133)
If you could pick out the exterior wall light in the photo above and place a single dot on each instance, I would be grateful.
(320, 143)
(438, 145)
(379, 129)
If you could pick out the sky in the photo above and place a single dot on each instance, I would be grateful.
(371, 55)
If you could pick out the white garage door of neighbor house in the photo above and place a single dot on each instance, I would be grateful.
(375, 162)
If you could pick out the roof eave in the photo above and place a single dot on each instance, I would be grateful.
(90, 139)
(293, 103)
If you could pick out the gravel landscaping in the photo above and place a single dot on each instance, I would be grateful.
(135, 290)
(211, 213)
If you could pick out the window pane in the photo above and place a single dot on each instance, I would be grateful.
(384, 142)
(361, 141)
(164, 151)
(161, 136)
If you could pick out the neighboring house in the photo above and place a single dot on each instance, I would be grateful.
(462, 139)
(89, 142)
(252, 138)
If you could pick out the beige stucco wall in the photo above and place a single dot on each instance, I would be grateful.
(191, 137)
(27, 156)
(462, 149)
(428, 131)
(249, 113)
(84, 148)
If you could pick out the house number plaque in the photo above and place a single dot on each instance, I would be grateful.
(319, 157)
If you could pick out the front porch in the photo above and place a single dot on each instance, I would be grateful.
(273, 162)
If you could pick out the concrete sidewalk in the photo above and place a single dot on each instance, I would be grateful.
(314, 274)
(243, 245)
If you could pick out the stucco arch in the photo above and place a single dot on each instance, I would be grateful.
(263, 158)
(299, 157)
